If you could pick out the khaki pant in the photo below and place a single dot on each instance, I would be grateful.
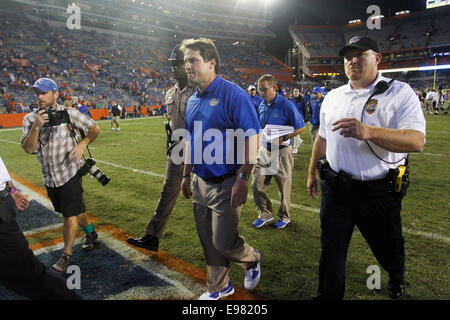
(217, 227)
(283, 178)
(429, 106)
(115, 120)
(167, 200)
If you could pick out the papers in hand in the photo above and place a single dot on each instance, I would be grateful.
(272, 132)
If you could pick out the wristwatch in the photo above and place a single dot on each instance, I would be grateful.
(243, 176)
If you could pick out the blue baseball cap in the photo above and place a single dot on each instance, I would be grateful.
(317, 89)
(45, 85)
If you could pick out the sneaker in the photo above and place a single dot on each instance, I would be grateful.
(62, 264)
(90, 240)
(227, 291)
(112, 129)
(280, 224)
(258, 223)
(253, 275)
(396, 289)
(118, 129)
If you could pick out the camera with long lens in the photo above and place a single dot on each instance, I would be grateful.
(56, 117)
(89, 167)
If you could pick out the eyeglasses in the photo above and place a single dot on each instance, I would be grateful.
(263, 89)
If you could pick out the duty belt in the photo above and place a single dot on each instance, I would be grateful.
(346, 184)
(4, 193)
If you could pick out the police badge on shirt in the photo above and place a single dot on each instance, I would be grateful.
(371, 106)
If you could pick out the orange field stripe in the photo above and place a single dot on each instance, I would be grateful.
(42, 191)
(42, 233)
(161, 257)
(44, 244)
(174, 263)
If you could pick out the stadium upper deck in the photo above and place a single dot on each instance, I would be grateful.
(412, 40)
(415, 30)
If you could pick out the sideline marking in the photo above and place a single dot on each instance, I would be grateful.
(164, 258)
(298, 206)
(162, 136)
(136, 259)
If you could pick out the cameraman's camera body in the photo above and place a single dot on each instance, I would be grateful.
(58, 117)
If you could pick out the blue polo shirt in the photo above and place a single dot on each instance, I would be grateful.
(223, 106)
(280, 112)
(315, 108)
(257, 100)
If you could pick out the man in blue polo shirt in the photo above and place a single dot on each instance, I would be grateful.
(316, 103)
(221, 157)
(256, 99)
(275, 111)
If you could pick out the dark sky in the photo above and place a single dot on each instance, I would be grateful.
(322, 12)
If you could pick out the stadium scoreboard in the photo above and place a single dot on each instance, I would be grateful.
(437, 3)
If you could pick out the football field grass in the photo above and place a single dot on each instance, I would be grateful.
(135, 161)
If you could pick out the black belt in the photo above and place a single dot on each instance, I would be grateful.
(220, 179)
(269, 147)
(345, 183)
(4, 193)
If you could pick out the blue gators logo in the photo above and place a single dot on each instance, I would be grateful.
(371, 106)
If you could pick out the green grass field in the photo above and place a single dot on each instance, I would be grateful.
(291, 255)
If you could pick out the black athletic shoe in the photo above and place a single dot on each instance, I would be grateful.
(396, 289)
(147, 242)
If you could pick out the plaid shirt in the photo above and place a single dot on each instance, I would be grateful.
(55, 144)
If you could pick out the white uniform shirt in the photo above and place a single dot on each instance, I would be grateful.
(397, 108)
(435, 96)
(4, 175)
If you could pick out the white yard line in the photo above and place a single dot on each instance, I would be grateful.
(297, 206)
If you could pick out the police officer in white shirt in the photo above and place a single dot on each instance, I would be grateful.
(367, 128)
(20, 270)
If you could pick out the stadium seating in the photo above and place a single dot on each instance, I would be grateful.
(79, 58)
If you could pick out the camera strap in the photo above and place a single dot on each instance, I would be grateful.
(83, 135)
(73, 134)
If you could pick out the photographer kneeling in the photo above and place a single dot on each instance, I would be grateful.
(50, 133)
